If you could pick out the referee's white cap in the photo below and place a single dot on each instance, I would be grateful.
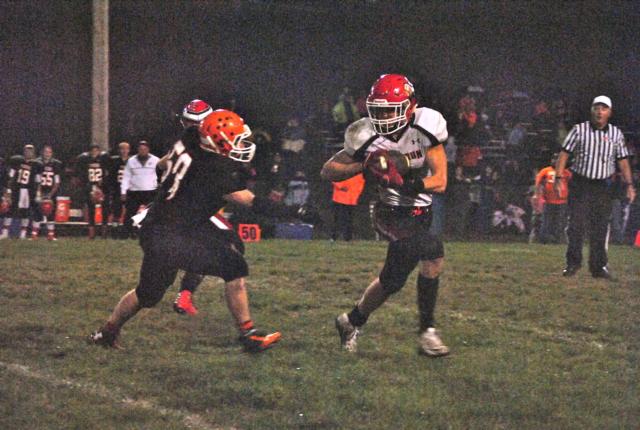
(603, 100)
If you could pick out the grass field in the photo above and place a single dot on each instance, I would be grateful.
(530, 349)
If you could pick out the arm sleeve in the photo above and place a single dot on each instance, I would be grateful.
(571, 140)
(126, 177)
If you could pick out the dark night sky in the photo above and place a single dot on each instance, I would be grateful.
(280, 58)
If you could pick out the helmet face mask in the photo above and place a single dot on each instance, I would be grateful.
(225, 133)
(387, 118)
(390, 104)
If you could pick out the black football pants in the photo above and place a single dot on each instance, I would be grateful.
(590, 203)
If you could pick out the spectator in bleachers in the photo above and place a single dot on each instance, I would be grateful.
(297, 190)
(293, 140)
(345, 198)
(542, 118)
(554, 213)
(345, 111)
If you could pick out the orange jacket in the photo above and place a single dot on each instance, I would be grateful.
(348, 192)
(546, 178)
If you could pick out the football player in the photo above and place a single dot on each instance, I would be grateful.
(178, 231)
(23, 180)
(403, 213)
(92, 168)
(192, 116)
(113, 203)
(50, 173)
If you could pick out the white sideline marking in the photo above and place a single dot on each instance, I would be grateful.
(189, 419)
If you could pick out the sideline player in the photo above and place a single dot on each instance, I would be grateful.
(50, 173)
(113, 202)
(179, 232)
(23, 180)
(92, 169)
(403, 213)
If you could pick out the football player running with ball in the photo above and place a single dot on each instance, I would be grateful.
(179, 232)
(400, 146)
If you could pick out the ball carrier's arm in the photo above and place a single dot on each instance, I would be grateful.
(340, 167)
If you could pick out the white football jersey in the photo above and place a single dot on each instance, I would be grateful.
(428, 128)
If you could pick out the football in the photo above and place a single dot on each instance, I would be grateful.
(380, 161)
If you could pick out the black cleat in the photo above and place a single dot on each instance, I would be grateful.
(570, 270)
(603, 274)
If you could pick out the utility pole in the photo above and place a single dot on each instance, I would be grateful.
(100, 75)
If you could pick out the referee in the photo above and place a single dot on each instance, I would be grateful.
(596, 146)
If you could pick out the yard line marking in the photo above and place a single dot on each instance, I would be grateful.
(191, 420)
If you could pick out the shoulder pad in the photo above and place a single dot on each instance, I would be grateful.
(432, 124)
(357, 134)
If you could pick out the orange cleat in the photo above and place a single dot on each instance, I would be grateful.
(256, 341)
(184, 304)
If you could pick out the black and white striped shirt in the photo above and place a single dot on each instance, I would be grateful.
(595, 152)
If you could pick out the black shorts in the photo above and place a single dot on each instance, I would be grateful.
(400, 222)
(204, 250)
(22, 201)
(407, 229)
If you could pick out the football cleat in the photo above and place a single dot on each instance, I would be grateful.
(431, 344)
(183, 303)
(23, 234)
(34, 235)
(4, 234)
(257, 341)
(106, 338)
(348, 333)
(51, 236)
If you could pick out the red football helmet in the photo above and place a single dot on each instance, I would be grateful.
(46, 207)
(390, 103)
(194, 113)
(224, 133)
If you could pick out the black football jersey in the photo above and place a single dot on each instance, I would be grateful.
(116, 172)
(193, 185)
(50, 173)
(92, 171)
(25, 173)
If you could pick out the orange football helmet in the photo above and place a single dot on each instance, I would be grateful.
(224, 133)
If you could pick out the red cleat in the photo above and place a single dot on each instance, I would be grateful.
(183, 303)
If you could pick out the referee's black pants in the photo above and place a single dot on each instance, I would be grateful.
(135, 199)
(590, 203)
